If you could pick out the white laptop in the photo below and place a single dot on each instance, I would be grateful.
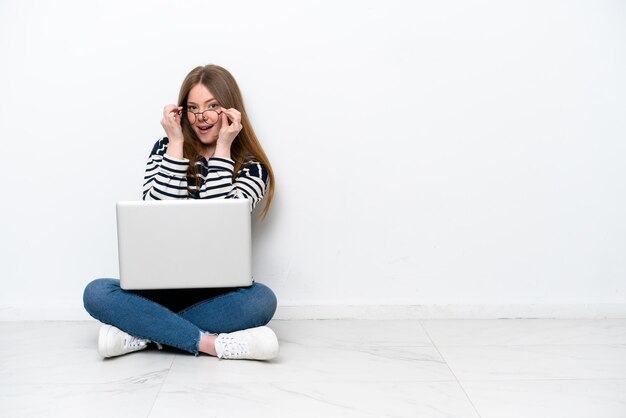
(175, 244)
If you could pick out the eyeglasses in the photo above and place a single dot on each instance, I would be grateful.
(209, 116)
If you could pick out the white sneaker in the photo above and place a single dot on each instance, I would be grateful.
(251, 344)
(115, 342)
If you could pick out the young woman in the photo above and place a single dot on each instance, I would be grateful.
(210, 152)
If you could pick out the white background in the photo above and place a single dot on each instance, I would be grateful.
(434, 154)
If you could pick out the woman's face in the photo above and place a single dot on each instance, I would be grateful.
(206, 126)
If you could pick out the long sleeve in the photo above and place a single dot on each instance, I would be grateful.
(251, 181)
(165, 178)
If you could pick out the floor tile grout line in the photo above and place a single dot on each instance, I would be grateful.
(551, 379)
(161, 387)
(450, 368)
(534, 345)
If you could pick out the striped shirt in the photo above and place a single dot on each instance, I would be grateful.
(166, 178)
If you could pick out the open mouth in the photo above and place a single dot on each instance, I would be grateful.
(205, 129)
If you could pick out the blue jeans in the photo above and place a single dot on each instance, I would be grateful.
(178, 317)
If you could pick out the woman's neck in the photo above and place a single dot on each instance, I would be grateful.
(207, 151)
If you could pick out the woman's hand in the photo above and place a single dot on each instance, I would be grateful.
(171, 123)
(228, 132)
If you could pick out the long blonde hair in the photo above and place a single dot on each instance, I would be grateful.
(246, 145)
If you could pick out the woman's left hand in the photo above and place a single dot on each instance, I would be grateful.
(228, 132)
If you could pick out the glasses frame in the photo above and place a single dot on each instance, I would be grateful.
(195, 115)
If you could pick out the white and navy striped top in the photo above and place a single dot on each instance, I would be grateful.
(166, 178)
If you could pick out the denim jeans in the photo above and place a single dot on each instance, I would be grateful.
(178, 317)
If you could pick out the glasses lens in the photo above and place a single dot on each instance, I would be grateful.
(210, 116)
(191, 116)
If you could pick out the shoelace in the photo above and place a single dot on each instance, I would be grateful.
(232, 348)
(134, 343)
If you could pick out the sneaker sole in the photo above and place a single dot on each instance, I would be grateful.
(103, 350)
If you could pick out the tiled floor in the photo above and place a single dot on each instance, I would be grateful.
(343, 368)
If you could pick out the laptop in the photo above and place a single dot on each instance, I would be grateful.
(182, 244)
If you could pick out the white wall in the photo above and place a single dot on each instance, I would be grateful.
(440, 155)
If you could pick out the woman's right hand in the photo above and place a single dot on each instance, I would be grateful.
(171, 123)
